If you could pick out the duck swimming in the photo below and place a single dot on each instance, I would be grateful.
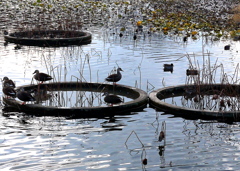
(168, 66)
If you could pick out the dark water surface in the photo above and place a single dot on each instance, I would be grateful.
(56, 143)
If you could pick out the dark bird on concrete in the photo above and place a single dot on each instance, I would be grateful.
(8, 83)
(115, 77)
(24, 96)
(39, 76)
(9, 91)
(5, 32)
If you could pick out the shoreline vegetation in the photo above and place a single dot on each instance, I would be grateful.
(184, 17)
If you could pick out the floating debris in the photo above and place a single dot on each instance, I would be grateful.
(144, 161)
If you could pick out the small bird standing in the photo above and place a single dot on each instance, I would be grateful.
(115, 77)
(8, 83)
(24, 96)
(39, 76)
(112, 99)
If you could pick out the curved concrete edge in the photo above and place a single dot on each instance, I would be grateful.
(158, 104)
(137, 104)
(51, 42)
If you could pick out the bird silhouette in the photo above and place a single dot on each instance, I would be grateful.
(24, 96)
(115, 77)
(39, 76)
(8, 82)
(9, 91)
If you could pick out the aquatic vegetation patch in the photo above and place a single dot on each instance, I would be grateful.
(188, 17)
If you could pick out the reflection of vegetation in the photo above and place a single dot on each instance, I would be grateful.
(167, 16)
(224, 97)
(144, 153)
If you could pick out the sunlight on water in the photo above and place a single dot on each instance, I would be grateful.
(56, 143)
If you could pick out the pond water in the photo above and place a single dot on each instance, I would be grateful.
(57, 143)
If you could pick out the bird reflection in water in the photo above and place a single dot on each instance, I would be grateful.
(41, 95)
(112, 99)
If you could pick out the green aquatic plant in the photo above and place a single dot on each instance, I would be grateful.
(166, 16)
